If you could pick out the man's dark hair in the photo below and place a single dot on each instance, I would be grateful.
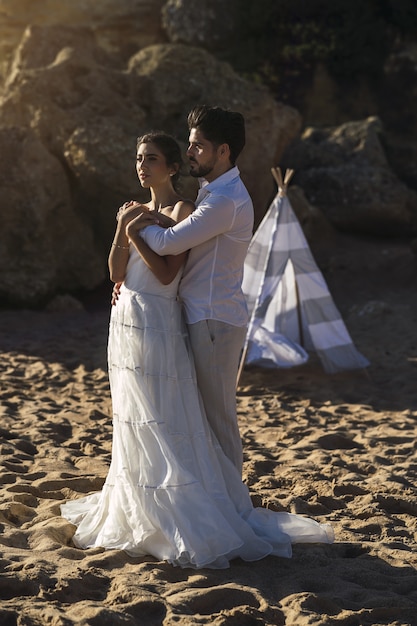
(219, 126)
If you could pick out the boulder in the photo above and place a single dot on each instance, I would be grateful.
(344, 172)
(82, 112)
(46, 247)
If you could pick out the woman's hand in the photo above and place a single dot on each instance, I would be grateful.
(163, 220)
(129, 210)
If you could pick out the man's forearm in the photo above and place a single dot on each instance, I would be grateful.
(157, 240)
(202, 225)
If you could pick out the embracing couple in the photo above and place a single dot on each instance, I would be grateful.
(174, 487)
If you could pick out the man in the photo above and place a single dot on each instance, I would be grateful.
(217, 234)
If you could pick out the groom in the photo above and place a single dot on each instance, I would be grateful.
(217, 234)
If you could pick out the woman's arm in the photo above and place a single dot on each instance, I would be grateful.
(119, 255)
(119, 252)
(165, 268)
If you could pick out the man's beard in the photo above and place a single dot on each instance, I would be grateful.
(201, 171)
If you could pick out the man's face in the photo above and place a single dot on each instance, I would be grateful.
(202, 155)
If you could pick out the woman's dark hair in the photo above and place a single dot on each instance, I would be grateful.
(219, 126)
(169, 148)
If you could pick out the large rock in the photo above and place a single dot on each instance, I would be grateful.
(344, 172)
(119, 26)
(86, 114)
(82, 111)
(45, 245)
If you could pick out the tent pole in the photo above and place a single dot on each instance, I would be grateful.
(242, 363)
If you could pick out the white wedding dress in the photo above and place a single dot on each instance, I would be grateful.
(170, 491)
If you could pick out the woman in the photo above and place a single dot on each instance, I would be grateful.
(170, 492)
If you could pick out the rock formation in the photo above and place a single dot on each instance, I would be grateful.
(83, 115)
(344, 171)
(45, 246)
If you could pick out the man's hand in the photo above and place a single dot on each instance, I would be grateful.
(115, 293)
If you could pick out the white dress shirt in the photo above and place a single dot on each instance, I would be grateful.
(217, 234)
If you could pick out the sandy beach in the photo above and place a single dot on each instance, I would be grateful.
(341, 449)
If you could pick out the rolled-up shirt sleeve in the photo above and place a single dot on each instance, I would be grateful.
(214, 216)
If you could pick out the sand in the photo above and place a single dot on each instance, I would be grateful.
(340, 448)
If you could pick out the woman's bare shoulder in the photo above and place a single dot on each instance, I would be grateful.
(182, 209)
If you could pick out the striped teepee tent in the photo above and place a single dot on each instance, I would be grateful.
(291, 309)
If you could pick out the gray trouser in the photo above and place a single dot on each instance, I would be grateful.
(216, 350)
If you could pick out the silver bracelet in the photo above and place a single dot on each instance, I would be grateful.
(122, 247)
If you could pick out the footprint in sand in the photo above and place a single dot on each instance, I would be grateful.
(393, 504)
(337, 442)
(243, 606)
(16, 513)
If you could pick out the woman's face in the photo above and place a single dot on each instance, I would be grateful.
(151, 166)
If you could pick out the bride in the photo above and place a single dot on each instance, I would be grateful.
(170, 491)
